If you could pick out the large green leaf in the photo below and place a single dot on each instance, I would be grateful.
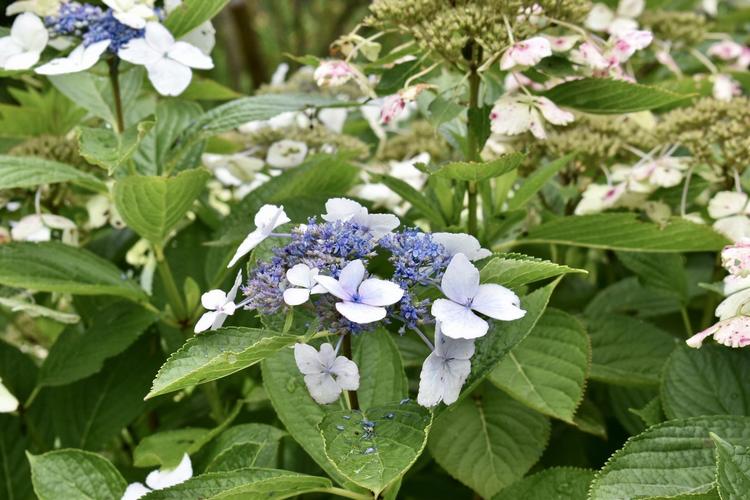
(624, 231)
(15, 479)
(476, 171)
(80, 352)
(669, 459)
(536, 181)
(28, 172)
(106, 148)
(547, 370)
(192, 13)
(381, 370)
(664, 272)
(297, 410)
(375, 447)
(605, 96)
(514, 270)
(503, 336)
(74, 475)
(244, 483)
(627, 351)
(216, 354)
(733, 469)
(152, 205)
(55, 267)
(711, 380)
(556, 483)
(489, 441)
(245, 445)
(629, 296)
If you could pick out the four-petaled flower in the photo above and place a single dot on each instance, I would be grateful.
(334, 73)
(526, 53)
(455, 243)
(460, 284)
(219, 305)
(268, 218)
(364, 300)
(160, 479)
(23, 47)
(344, 209)
(80, 59)
(513, 115)
(167, 61)
(326, 375)
(445, 370)
(303, 279)
(736, 258)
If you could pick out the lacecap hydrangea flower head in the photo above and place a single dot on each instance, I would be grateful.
(350, 271)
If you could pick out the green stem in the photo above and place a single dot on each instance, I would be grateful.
(472, 149)
(686, 321)
(114, 77)
(344, 493)
(347, 348)
(173, 294)
(211, 391)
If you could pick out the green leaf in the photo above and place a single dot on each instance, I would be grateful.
(651, 414)
(605, 96)
(589, 419)
(382, 377)
(665, 272)
(624, 231)
(732, 469)
(190, 14)
(74, 475)
(503, 336)
(17, 371)
(374, 457)
(515, 270)
(629, 296)
(624, 399)
(36, 311)
(244, 483)
(15, 478)
(107, 149)
(29, 172)
(555, 483)
(90, 412)
(488, 442)
(245, 445)
(55, 267)
(627, 351)
(152, 206)
(536, 181)
(476, 171)
(78, 352)
(711, 380)
(297, 410)
(419, 201)
(216, 354)
(204, 89)
(38, 113)
(669, 459)
(547, 370)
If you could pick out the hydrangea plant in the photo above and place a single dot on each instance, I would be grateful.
(486, 248)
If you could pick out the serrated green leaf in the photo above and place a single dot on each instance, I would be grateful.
(297, 410)
(243, 483)
(605, 96)
(74, 475)
(732, 469)
(627, 351)
(382, 377)
(547, 370)
(245, 445)
(664, 272)
(488, 442)
(29, 172)
(623, 399)
(629, 296)
(166, 448)
(589, 419)
(706, 381)
(375, 457)
(651, 414)
(190, 14)
(503, 336)
(216, 354)
(624, 231)
(205, 89)
(80, 352)
(515, 270)
(669, 459)
(107, 149)
(534, 182)
(555, 483)
(54, 267)
(152, 205)
(479, 171)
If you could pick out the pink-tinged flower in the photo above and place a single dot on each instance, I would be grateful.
(588, 54)
(726, 50)
(526, 53)
(626, 44)
(333, 73)
(725, 88)
(736, 258)
(393, 105)
(599, 197)
(733, 332)
(666, 59)
(513, 115)
(743, 61)
(562, 43)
